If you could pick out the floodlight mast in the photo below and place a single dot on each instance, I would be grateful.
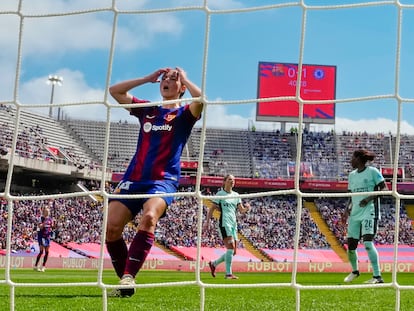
(53, 80)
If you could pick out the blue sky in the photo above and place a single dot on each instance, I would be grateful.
(360, 40)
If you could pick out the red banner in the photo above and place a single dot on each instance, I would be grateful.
(192, 165)
(389, 172)
(54, 150)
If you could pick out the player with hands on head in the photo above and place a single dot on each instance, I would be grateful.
(227, 224)
(364, 213)
(154, 169)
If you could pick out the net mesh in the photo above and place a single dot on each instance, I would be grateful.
(118, 10)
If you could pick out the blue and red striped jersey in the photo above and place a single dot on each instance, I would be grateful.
(46, 231)
(162, 136)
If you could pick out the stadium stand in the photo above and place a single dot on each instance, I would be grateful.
(404, 253)
(37, 133)
(122, 140)
(244, 153)
(249, 154)
(271, 152)
(225, 151)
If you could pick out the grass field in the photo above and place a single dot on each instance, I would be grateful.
(187, 297)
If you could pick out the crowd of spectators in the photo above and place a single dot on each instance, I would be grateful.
(272, 221)
(33, 143)
(407, 155)
(319, 149)
(30, 142)
(269, 153)
(76, 220)
(271, 224)
(349, 141)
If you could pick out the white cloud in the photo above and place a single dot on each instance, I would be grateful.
(218, 117)
(378, 125)
(74, 89)
(61, 35)
(46, 39)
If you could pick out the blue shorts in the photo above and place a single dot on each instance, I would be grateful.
(45, 242)
(154, 187)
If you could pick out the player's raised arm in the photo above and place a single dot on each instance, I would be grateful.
(196, 107)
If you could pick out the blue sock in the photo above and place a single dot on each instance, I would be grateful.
(229, 259)
(373, 257)
(219, 260)
(353, 259)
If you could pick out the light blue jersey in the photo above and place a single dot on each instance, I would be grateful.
(363, 221)
(228, 207)
(364, 181)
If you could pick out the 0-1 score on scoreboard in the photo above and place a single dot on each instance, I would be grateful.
(318, 82)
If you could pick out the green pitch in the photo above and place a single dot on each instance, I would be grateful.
(187, 297)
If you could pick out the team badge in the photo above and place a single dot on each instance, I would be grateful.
(319, 74)
(278, 70)
(170, 117)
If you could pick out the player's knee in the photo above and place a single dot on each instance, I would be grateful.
(113, 232)
(148, 221)
(368, 237)
(352, 244)
(368, 244)
(229, 243)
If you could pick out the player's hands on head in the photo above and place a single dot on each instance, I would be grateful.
(155, 76)
(182, 74)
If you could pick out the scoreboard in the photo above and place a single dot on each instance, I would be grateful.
(317, 82)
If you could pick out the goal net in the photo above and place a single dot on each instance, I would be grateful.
(82, 47)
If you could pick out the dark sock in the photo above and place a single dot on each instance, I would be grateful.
(118, 252)
(45, 258)
(138, 251)
(38, 259)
